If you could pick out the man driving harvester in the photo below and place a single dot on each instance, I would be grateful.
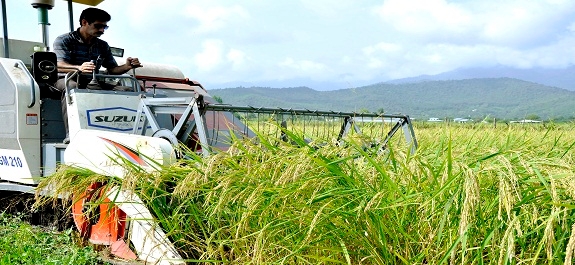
(83, 50)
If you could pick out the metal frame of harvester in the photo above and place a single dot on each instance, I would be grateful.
(345, 122)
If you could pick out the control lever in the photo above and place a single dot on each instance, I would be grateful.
(94, 82)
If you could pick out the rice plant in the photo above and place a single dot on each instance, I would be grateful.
(471, 194)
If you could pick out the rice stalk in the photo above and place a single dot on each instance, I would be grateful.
(472, 194)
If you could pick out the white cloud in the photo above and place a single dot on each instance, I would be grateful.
(382, 47)
(224, 41)
(213, 18)
(529, 24)
(237, 58)
(512, 22)
(432, 36)
(216, 58)
(146, 15)
(216, 41)
(302, 66)
(424, 17)
(211, 56)
(329, 8)
(382, 54)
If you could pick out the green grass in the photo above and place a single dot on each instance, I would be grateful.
(21, 243)
(471, 194)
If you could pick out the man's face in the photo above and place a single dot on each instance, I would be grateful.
(95, 29)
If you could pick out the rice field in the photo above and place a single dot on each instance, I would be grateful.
(471, 194)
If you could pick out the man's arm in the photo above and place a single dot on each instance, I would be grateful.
(63, 48)
(130, 64)
(65, 67)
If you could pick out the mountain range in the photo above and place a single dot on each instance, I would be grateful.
(477, 93)
(560, 77)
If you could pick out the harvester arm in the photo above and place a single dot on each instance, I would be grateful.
(106, 153)
(148, 239)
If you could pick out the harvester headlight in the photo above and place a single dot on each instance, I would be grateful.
(46, 66)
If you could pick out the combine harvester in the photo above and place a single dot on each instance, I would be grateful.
(144, 127)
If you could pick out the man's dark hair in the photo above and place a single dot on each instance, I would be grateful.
(92, 14)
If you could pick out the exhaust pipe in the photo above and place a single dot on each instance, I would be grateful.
(43, 6)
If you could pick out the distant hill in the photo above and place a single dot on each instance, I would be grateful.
(561, 78)
(554, 77)
(503, 98)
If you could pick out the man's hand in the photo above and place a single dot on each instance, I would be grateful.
(133, 62)
(87, 67)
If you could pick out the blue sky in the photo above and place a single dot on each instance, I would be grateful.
(324, 44)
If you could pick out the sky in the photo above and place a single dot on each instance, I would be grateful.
(324, 44)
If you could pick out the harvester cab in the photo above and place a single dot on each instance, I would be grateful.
(144, 125)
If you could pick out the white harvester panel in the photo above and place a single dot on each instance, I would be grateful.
(19, 123)
(107, 153)
(102, 110)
